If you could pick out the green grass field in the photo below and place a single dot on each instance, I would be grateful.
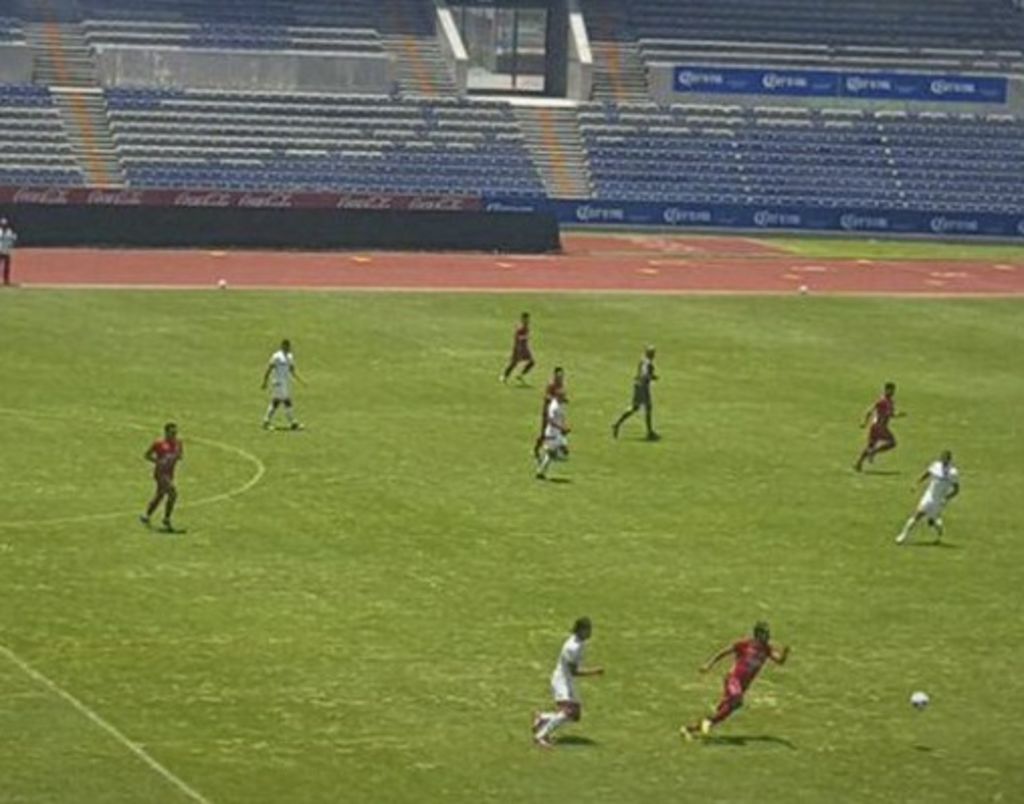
(375, 619)
(867, 248)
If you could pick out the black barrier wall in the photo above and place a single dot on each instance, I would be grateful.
(42, 225)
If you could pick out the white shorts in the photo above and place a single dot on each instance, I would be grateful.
(562, 690)
(931, 506)
(280, 391)
(556, 443)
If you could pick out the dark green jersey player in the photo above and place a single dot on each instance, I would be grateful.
(645, 375)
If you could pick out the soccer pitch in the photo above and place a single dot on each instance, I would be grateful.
(370, 609)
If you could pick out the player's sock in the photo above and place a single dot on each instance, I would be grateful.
(551, 725)
(725, 708)
(271, 409)
(541, 720)
(907, 527)
(542, 466)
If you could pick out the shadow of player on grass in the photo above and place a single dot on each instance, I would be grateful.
(740, 740)
(576, 741)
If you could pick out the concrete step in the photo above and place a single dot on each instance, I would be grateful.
(420, 67)
(61, 53)
(556, 147)
(86, 123)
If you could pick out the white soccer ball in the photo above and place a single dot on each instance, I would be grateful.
(919, 700)
(222, 283)
(803, 290)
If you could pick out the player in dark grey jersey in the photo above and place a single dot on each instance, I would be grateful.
(645, 375)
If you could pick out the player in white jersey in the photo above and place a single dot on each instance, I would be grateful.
(567, 705)
(943, 485)
(280, 373)
(556, 442)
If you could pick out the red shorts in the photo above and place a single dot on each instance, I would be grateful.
(879, 432)
(163, 478)
(521, 353)
(733, 687)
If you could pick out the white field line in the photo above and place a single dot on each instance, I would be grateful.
(110, 729)
(511, 289)
(257, 476)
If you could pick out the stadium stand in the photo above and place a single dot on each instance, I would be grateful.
(423, 140)
(304, 25)
(319, 143)
(11, 31)
(953, 34)
(34, 148)
(799, 156)
(408, 30)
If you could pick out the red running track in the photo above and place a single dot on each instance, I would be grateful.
(629, 263)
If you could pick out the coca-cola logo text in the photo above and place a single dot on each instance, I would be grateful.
(365, 202)
(132, 198)
(265, 200)
(208, 199)
(45, 195)
(441, 204)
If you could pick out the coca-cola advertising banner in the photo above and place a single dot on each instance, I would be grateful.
(222, 199)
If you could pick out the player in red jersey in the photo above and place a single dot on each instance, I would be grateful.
(880, 437)
(555, 388)
(164, 454)
(751, 655)
(520, 350)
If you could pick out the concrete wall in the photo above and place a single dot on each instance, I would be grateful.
(15, 64)
(274, 71)
(581, 59)
(452, 47)
(662, 89)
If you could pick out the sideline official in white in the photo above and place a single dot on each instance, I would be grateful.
(8, 237)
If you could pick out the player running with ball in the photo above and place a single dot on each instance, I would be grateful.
(943, 485)
(750, 656)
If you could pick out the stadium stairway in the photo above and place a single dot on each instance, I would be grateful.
(61, 55)
(556, 145)
(84, 114)
(407, 31)
(619, 72)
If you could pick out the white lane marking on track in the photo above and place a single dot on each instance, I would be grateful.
(261, 470)
(109, 728)
(535, 290)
